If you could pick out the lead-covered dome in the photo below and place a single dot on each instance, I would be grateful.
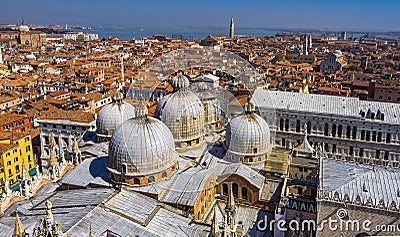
(248, 137)
(180, 81)
(213, 114)
(183, 113)
(141, 146)
(113, 115)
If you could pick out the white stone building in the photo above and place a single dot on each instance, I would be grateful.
(347, 128)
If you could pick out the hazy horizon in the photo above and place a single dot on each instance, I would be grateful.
(308, 15)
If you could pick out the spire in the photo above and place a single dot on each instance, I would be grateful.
(25, 173)
(52, 140)
(231, 200)
(232, 29)
(122, 69)
(18, 228)
(215, 226)
(49, 214)
(304, 147)
(305, 45)
(75, 147)
(230, 214)
(53, 159)
(90, 231)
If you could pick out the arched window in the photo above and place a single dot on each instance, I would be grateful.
(164, 175)
(281, 124)
(26, 42)
(244, 193)
(235, 189)
(151, 179)
(251, 160)
(136, 181)
(224, 189)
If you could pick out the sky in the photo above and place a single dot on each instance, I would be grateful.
(379, 15)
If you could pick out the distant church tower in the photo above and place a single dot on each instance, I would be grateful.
(305, 45)
(1, 57)
(310, 41)
(232, 29)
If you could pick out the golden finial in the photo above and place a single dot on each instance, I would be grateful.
(18, 228)
(52, 140)
(75, 147)
(91, 232)
(53, 159)
(214, 225)
(231, 199)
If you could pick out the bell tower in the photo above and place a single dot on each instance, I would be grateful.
(232, 29)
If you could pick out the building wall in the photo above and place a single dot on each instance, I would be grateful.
(13, 158)
(387, 94)
(206, 198)
(346, 138)
(252, 192)
(64, 132)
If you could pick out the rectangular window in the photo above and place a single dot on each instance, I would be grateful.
(379, 137)
(348, 132)
(361, 153)
(388, 137)
(368, 136)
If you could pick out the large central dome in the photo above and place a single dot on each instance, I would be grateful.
(248, 137)
(142, 148)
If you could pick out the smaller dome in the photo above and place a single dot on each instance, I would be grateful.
(248, 135)
(23, 28)
(30, 57)
(180, 81)
(338, 53)
(113, 115)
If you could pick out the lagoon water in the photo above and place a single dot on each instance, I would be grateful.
(185, 33)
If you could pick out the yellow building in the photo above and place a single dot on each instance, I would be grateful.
(15, 152)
